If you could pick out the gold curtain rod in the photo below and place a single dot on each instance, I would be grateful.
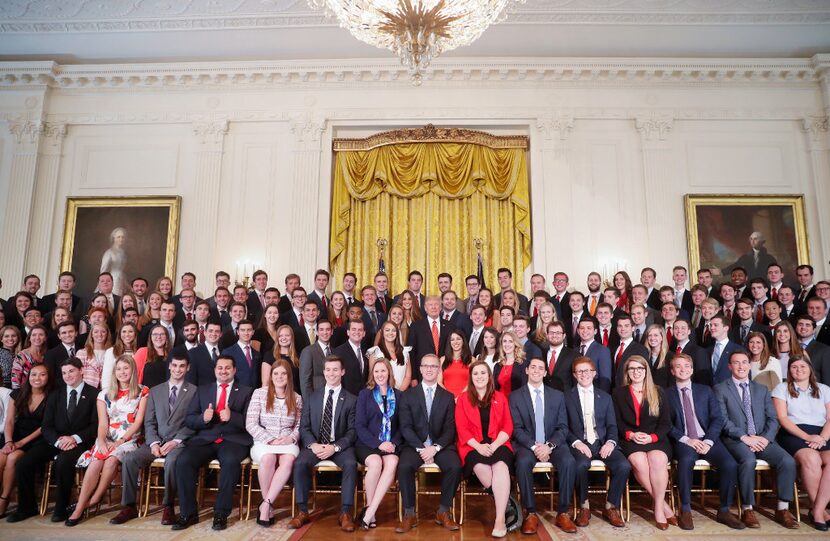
(431, 134)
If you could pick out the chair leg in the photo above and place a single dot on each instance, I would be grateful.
(797, 504)
(44, 499)
(463, 500)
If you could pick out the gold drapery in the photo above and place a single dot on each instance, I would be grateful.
(430, 200)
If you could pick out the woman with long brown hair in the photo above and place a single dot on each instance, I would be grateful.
(785, 344)
(764, 368)
(266, 335)
(337, 309)
(411, 307)
(484, 428)
(388, 346)
(396, 316)
(284, 348)
(151, 360)
(622, 281)
(165, 287)
(31, 355)
(455, 364)
(491, 317)
(273, 420)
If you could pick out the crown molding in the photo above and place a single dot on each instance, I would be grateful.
(443, 72)
(75, 16)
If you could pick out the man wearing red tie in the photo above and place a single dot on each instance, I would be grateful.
(775, 276)
(247, 359)
(627, 346)
(318, 296)
(759, 291)
(428, 335)
(558, 358)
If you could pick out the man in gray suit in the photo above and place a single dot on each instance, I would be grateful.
(313, 359)
(750, 425)
(164, 433)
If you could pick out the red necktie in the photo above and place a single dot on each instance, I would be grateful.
(325, 303)
(221, 405)
(759, 314)
(201, 334)
(679, 350)
(535, 311)
(728, 313)
(774, 293)
(302, 321)
(668, 334)
(619, 354)
(706, 331)
(552, 361)
(189, 316)
(435, 335)
(248, 356)
(605, 337)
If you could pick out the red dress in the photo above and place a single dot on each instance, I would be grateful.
(504, 378)
(456, 376)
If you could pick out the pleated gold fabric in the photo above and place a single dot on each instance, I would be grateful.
(430, 200)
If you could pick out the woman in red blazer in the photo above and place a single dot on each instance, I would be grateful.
(484, 427)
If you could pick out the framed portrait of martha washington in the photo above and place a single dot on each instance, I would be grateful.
(749, 231)
(127, 236)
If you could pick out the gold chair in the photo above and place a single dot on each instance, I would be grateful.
(152, 480)
(764, 466)
(423, 471)
(253, 467)
(629, 490)
(214, 465)
(327, 466)
(595, 467)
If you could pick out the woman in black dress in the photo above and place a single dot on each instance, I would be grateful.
(22, 430)
(266, 334)
(644, 421)
(659, 355)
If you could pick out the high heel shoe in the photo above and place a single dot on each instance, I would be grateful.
(672, 520)
(4, 513)
(270, 521)
(662, 525)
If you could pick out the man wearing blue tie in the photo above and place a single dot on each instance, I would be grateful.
(720, 351)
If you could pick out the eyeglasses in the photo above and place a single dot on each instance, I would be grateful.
(584, 372)
(430, 366)
(636, 369)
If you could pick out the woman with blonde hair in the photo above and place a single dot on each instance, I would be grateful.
(547, 315)
(510, 371)
(152, 312)
(284, 348)
(378, 438)
(659, 355)
(94, 353)
(9, 347)
(644, 421)
(121, 410)
(764, 368)
(125, 343)
(165, 287)
(273, 420)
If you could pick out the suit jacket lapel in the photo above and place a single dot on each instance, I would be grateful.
(529, 403)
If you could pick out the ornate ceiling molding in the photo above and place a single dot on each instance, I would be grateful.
(431, 134)
(69, 16)
(444, 72)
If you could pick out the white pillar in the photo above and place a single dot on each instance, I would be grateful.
(664, 204)
(23, 171)
(551, 197)
(305, 199)
(816, 131)
(210, 137)
(41, 243)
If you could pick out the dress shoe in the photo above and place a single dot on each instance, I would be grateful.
(406, 525)
(583, 517)
(185, 522)
(820, 526)
(750, 519)
(684, 520)
(129, 512)
(530, 524)
(499, 533)
(299, 520)
(220, 522)
(672, 520)
(564, 523)
(268, 521)
(21, 515)
(728, 519)
(168, 516)
(346, 522)
(445, 520)
(785, 519)
(612, 515)
(661, 525)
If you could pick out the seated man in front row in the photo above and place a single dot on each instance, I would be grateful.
(427, 424)
(749, 430)
(327, 432)
(593, 436)
(217, 417)
(540, 431)
(697, 422)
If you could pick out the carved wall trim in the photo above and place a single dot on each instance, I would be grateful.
(532, 72)
(653, 128)
(555, 126)
(431, 134)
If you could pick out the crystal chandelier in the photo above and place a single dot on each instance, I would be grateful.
(416, 30)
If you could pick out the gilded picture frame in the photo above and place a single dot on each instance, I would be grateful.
(751, 231)
(127, 236)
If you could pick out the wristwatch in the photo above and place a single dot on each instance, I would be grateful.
(336, 448)
(437, 448)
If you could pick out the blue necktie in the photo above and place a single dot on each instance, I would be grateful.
(540, 417)
(747, 405)
(429, 412)
(716, 357)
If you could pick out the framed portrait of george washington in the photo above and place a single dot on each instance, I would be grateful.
(749, 231)
(126, 236)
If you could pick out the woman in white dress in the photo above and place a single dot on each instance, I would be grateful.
(489, 350)
(387, 346)
(273, 419)
(114, 261)
(765, 369)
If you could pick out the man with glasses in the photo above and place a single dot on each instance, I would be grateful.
(593, 435)
(558, 358)
(185, 312)
(294, 316)
(427, 423)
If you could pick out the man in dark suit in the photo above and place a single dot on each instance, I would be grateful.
(384, 302)
(294, 316)
(256, 302)
(682, 344)
(521, 327)
(221, 305)
(204, 356)
(313, 359)
(168, 314)
(558, 358)
(720, 352)
(425, 334)
(817, 309)
(372, 318)
(626, 348)
(327, 432)
(588, 347)
(561, 295)
(505, 277)
(185, 310)
(318, 295)
(247, 360)
(231, 333)
(70, 425)
(697, 422)
(473, 285)
(746, 323)
(606, 333)
(704, 279)
(66, 349)
(682, 296)
(104, 287)
(478, 315)
(576, 309)
(427, 424)
(451, 313)
(750, 426)
(353, 357)
(540, 431)
(66, 282)
(292, 281)
(709, 308)
(165, 433)
(596, 440)
(188, 282)
(217, 417)
(819, 353)
(640, 321)
(648, 277)
(414, 284)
